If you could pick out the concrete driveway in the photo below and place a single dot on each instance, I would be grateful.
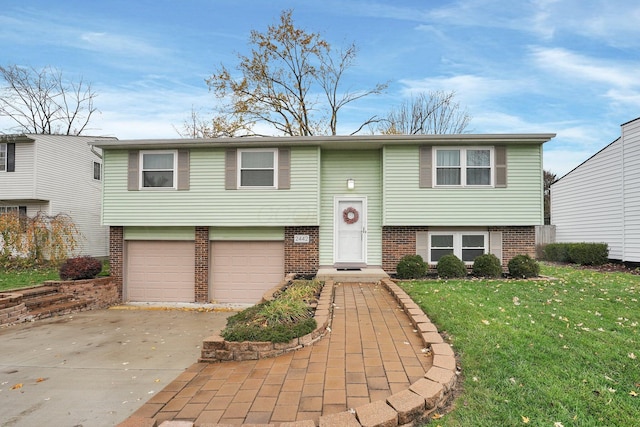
(95, 368)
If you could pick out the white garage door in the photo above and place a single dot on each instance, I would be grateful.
(161, 271)
(242, 271)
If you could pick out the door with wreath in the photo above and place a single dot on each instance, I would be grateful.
(350, 232)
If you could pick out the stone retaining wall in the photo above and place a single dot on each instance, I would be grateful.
(12, 309)
(102, 292)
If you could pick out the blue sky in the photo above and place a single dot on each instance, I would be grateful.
(570, 67)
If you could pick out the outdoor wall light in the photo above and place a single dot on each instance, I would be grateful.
(351, 183)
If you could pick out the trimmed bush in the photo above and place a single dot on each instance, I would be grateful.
(450, 266)
(411, 267)
(557, 252)
(523, 266)
(85, 267)
(487, 265)
(589, 253)
(578, 253)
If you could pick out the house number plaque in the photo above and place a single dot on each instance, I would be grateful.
(300, 238)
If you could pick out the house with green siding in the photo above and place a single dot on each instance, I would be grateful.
(224, 220)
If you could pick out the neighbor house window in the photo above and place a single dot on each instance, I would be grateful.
(463, 166)
(97, 171)
(8, 209)
(465, 245)
(158, 169)
(3, 156)
(257, 168)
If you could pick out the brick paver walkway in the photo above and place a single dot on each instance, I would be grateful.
(372, 351)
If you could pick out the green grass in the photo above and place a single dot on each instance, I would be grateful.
(541, 352)
(17, 279)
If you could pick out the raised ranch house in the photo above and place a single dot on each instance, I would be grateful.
(599, 200)
(56, 174)
(225, 219)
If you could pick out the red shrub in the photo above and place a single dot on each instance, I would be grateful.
(84, 267)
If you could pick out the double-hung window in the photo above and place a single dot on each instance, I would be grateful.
(158, 169)
(463, 167)
(8, 209)
(3, 156)
(258, 168)
(465, 245)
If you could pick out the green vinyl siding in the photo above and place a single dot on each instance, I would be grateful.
(159, 233)
(246, 233)
(520, 203)
(207, 201)
(365, 168)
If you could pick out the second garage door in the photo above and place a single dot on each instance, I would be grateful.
(242, 271)
(160, 271)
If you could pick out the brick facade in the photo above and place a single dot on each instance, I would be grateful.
(396, 243)
(116, 256)
(301, 258)
(517, 241)
(202, 264)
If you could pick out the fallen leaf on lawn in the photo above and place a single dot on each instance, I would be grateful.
(437, 416)
(631, 356)
(486, 322)
(16, 386)
(39, 380)
(558, 424)
(633, 393)
(525, 419)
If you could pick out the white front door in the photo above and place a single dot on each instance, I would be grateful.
(350, 231)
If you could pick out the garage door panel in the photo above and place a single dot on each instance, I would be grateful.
(243, 271)
(160, 271)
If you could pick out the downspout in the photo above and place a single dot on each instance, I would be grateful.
(93, 150)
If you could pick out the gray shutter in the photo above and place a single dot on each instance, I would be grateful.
(422, 244)
(495, 244)
(132, 173)
(284, 169)
(230, 172)
(426, 175)
(11, 156)
(22, 211)
(183, 170)
(500, 166)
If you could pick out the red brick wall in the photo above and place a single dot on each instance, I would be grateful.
(116, 254)
(202, 264)
(302, 258)
(517, 241)
(396, 243)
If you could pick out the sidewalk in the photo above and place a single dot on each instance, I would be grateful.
(372, 352)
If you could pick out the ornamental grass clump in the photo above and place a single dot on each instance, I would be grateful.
(287, 317)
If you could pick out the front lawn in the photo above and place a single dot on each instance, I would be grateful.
(16, 279)
(541, 352)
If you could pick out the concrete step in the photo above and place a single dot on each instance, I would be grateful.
(360, 275)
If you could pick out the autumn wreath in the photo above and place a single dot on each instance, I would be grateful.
(350, 215)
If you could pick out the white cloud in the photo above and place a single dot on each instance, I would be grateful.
(572, 66)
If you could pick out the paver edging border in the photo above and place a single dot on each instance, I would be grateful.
(216, 349)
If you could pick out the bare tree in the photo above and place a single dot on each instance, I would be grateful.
(282, 83)
(41, 101)
(435, 112)
(548, 179)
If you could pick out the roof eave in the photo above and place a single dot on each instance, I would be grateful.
(331, 142)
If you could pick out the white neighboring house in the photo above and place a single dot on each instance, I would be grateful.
(56, 174)
(599, 201)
